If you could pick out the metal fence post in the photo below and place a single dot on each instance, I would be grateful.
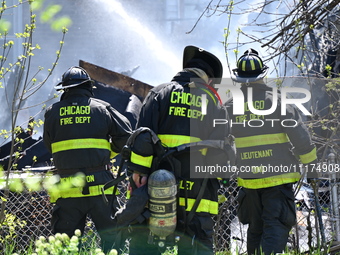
(334, 197)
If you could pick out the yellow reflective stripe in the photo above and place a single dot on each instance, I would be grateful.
(77, 192)
(73, 144)
(140, 160)
(257, 140)
(268, 181)
(175, 140)
(113, 154)
(308, 157)
(205, 205)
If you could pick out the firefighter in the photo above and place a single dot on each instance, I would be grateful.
(269, 158)
(83, 134)
(173, 111)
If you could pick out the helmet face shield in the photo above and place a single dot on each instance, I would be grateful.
(250, 68)
(73, 77)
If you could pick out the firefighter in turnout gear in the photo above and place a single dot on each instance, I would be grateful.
(269, 159)
(83, 134)
(173, 111)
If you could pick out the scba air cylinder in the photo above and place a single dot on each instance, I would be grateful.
(162, 190)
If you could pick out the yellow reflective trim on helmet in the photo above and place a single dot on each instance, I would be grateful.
(74, 144)
(257, 140)
(260, 63)
(205, 205)
(252, 64)
(140, 160)
(243, 66)
(308, 157)
(77, 192)
(268, 181)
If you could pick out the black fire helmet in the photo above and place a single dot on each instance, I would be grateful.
(200, 58)
(73, 77)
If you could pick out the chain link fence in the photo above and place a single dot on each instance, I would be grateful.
(318, 221)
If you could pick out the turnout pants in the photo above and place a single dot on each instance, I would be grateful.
(270, 213)
(70, 214)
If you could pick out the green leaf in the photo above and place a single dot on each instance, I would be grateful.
(33, 183)
(36, 4)
(60, 23)
(16, 185)
(50, 12)
(4, 26)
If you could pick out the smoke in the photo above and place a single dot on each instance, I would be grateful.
(119, 36)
